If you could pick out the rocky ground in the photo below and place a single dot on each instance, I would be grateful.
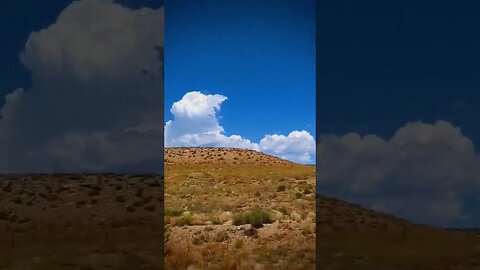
(237, 209)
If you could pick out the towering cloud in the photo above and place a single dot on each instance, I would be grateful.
(195, 123)
(426, 172)
(96, 98)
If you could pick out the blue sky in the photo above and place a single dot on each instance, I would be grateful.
(16, 24)
(258, 53)
(406, 74)
(389, 62)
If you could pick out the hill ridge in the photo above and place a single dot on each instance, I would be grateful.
(334, 214)
(222, 155)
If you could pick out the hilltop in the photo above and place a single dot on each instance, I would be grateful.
(335, 215)
(228, 208)
(207, 156)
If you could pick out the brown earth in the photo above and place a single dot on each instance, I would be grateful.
(352, 237)
(209, 190)
(81, 221)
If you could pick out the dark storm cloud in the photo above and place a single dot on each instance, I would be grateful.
(96, 101)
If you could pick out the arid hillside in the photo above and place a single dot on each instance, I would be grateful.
(237, 209)
(181, 156)
(352, 237)
(74, 221)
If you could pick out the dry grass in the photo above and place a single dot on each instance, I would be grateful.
(356, 238)
(78, 222)
(230, 198)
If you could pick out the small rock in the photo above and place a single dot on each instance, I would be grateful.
(221, 236)
(250, 231)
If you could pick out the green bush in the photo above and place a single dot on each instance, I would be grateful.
(173, 212)
(238, 243)
(257, 217)
(283, 210)
(215, 220)
(281, 188)
(185, 220)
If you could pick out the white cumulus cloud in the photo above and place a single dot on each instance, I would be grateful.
(96, 94)
(196, 123)
(425, 172)
(298, 145)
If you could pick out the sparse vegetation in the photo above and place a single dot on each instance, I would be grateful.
(357, 238)
(215, 220)
(185, 220)
(238, 243)
(257, 217)
(283, 210)
(173, 211)
(228, 196)
(73, 217)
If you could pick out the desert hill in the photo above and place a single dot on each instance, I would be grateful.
(228, 208)
(352, 237)
(335, 215)
(220, 157)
